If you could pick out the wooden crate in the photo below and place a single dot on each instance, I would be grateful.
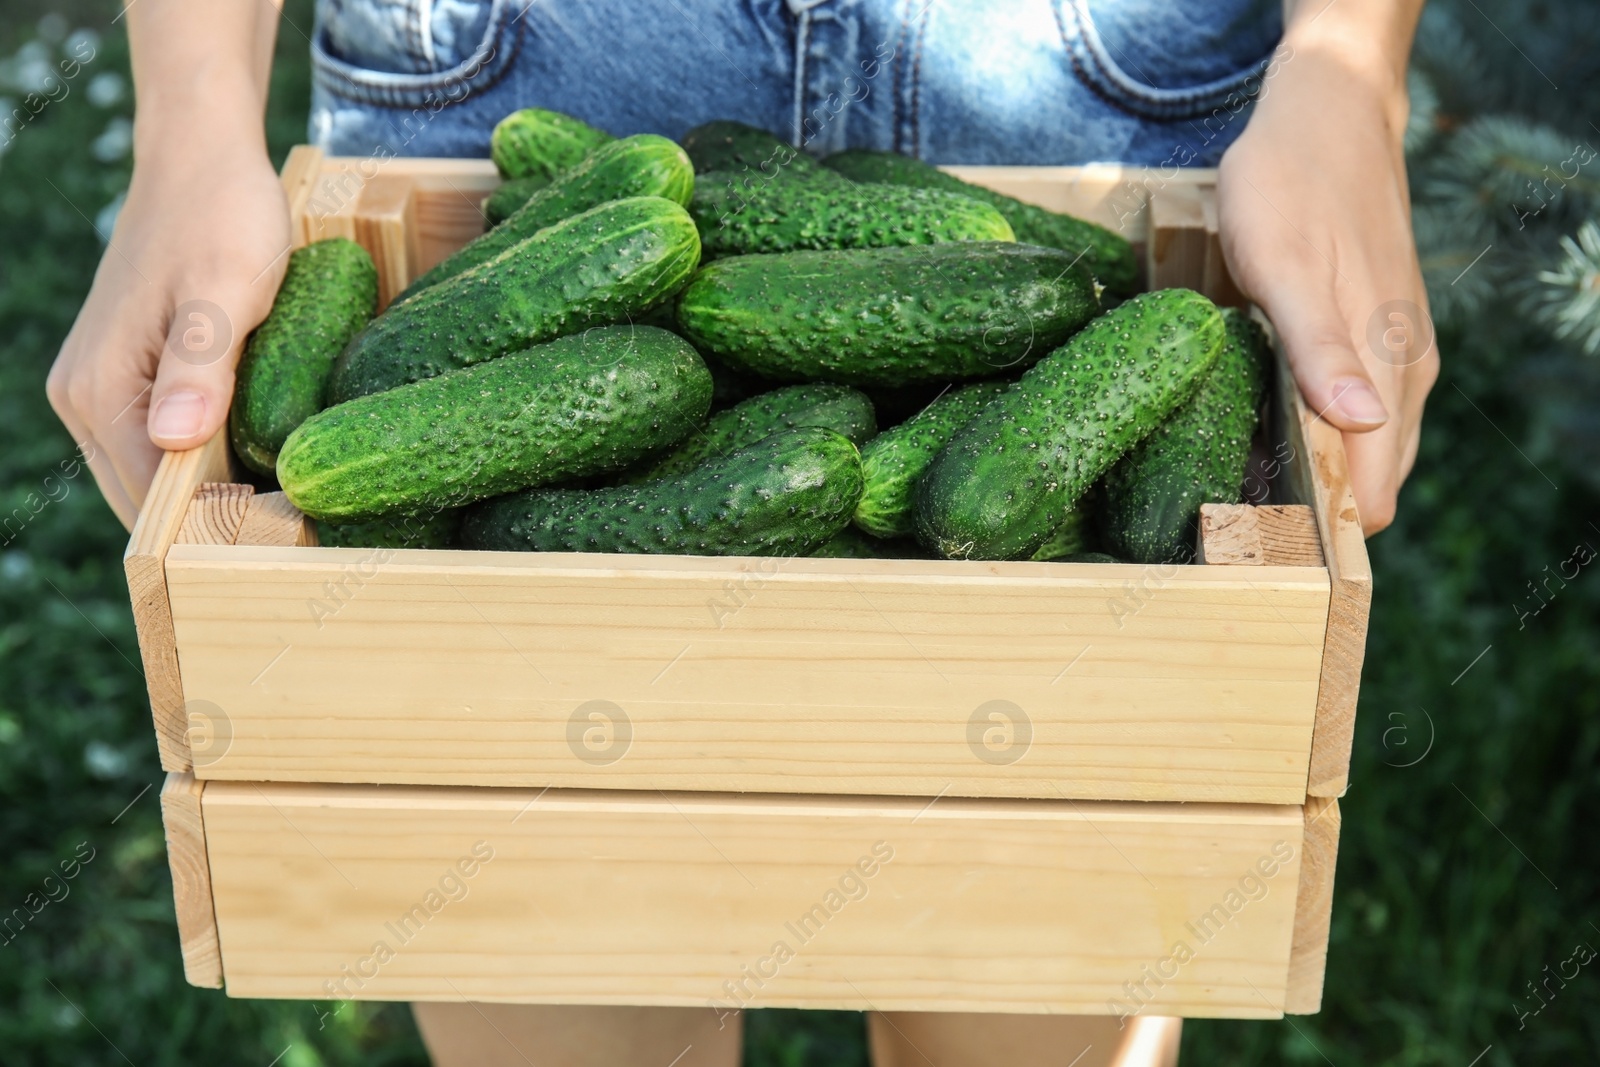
(672, 757)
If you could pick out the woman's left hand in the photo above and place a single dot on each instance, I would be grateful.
(1316, 228)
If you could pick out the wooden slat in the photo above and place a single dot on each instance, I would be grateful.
(191, 879)
(1216, 281)
(386, 227)
(1318, 474)
(160, 519)
(271, 520)
(330, 211)
(1313, 910)
(1283, 535)
(666, 898)
(300, 172)
(804, 675)
(1110, 194)
(1178, 240)
(214, 515)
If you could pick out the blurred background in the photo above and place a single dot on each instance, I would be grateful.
(1468, 867)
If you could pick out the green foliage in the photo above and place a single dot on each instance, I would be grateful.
(1440, 922)
(1572, 304)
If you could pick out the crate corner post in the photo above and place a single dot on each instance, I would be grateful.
(184, 825)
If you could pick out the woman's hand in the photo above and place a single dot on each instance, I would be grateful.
(1316, 228)
(200, 246)
(199, 249)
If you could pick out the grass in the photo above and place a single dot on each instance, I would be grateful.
(1467, 871)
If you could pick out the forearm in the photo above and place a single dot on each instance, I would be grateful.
(200, 73)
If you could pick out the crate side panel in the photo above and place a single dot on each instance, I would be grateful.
(1183, 683)
(563, 897)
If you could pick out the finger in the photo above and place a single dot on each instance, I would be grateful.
(100, 466)
(1375, 476)
(194, 379)
(1301, 303)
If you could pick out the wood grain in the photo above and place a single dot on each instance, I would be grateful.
(800, 675)
(386, 226)
(214, 515)
(300, 173)
(1317, 473)
(1313, 910)
(191, 879)
(271, 520)
(1178, 242)
(674, 898)
(1216, 281)
(160, 519)
(1282, 535)
(1109, 194)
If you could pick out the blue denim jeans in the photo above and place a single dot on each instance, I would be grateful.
(950, 81)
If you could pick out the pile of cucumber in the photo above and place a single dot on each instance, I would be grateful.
(900, 363)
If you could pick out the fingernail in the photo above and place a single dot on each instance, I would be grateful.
(1359, 402)
(178, 416)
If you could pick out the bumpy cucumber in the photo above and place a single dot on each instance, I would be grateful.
(645, 165)
(743, 215)
(839, 408)
(586, 404)
(733, 146)
(328, 293)
(784, 495)
(892, 462)
(1198, 456)
(1109, 255)
(1006, 481)
(1076, 534)
(888, 316)
(534, 141)
(851, 543)
(430, 530)
(603, 266)
(510, 195)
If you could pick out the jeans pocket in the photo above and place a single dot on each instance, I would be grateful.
(412, 53)
(1169, 61)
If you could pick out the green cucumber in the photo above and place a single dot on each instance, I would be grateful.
(645, 165)
(1198, 456)
(510, 195)
(783, 496)
(328, 293)
(1007, 480)
(892, 462)
(733, 146)
(601, 267)
(586, 404)
(430, 530)
(888, 316)
(1076, 534)
(539, 142)
(743, 215)
(851, 543)
(1087, 557)
(839, 408)
(1109, 255)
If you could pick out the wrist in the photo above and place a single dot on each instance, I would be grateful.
(203, 116)
(1368, 39)
(1326, 73)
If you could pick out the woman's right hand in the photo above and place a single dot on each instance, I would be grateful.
(199, 248)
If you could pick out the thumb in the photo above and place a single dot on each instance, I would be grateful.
(194, 378)
(1317, 340)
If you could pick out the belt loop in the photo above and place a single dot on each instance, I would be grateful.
(801, 10)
